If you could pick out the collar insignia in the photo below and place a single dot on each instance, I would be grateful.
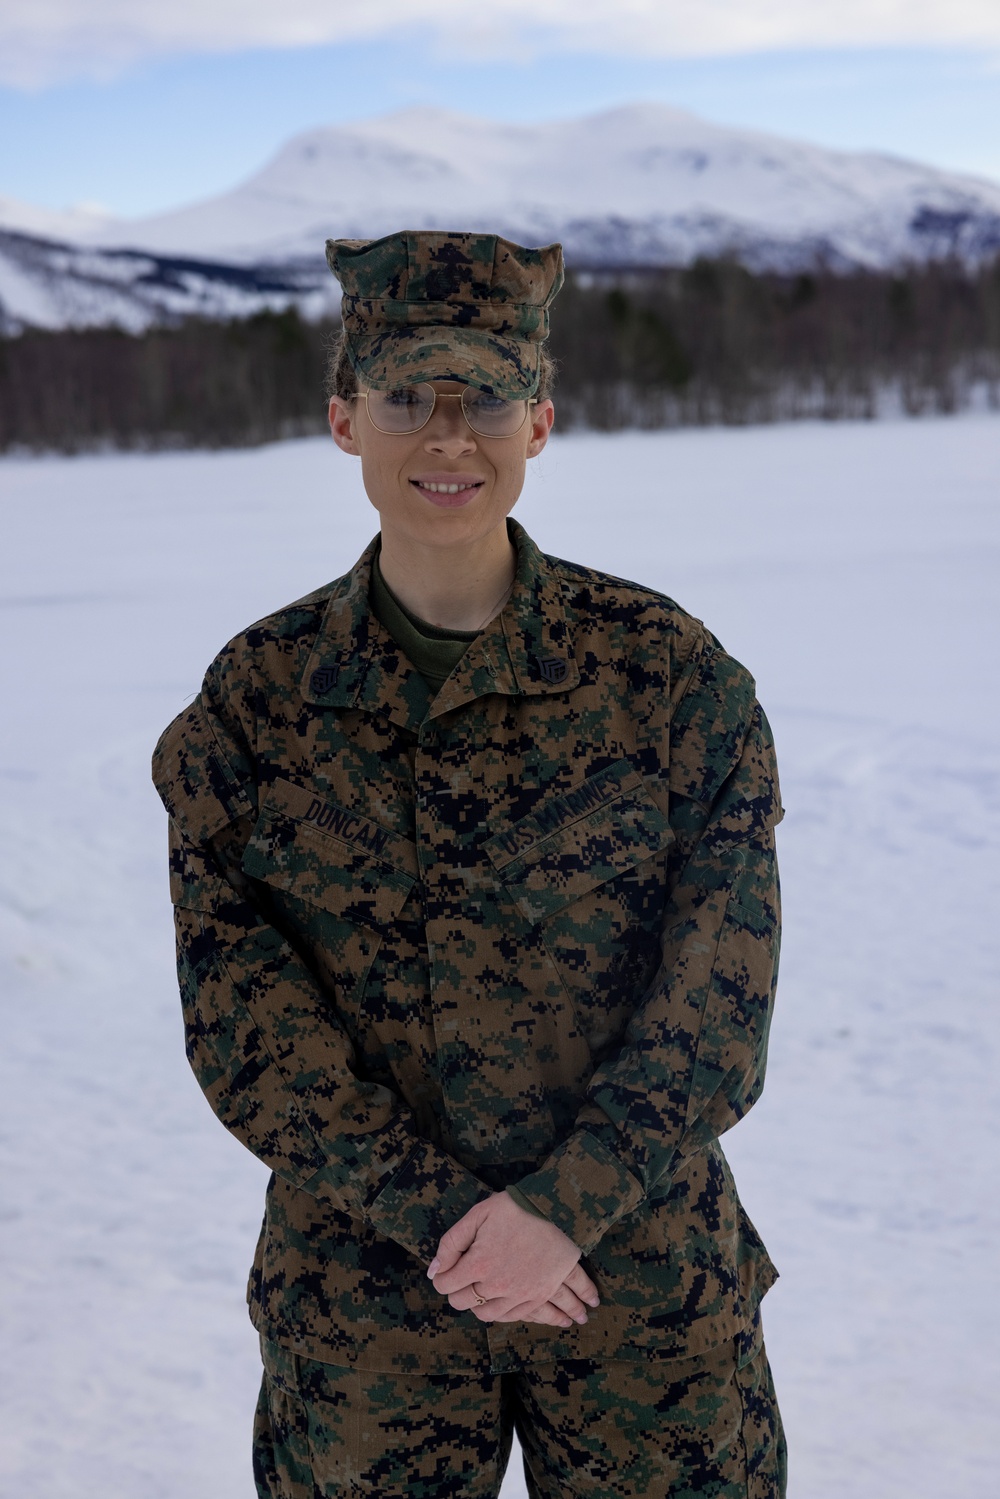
(323, 678)
(552, 668)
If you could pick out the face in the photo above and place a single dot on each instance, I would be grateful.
(410, 477)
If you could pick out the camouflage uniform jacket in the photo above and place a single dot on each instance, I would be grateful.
(524, 932)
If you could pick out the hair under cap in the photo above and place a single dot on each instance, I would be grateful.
(429, 304)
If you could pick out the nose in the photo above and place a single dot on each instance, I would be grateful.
(448, 432)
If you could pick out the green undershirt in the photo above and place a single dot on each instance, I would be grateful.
(435, 653)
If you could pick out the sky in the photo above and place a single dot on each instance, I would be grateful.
(139, 107)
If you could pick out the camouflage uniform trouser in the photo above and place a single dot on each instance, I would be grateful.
(702, 1427)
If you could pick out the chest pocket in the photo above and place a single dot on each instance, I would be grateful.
(598, 831)
(589, 868)
(337, 880)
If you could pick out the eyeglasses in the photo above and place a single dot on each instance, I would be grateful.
(409, 407)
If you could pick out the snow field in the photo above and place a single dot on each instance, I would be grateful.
(853, 568)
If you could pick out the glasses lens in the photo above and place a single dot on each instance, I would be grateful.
(492, 416)
(405, 409)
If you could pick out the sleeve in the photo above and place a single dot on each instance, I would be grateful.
(262, 1033)
(693, 1055)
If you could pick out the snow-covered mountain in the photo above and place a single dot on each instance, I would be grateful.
(71, 224)
(52, 284)
(641, 185)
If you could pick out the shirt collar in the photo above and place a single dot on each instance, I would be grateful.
(528, 650)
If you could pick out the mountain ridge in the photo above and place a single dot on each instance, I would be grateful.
(635, 186)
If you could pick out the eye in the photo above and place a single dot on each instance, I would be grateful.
(403, 398)
(485, 405)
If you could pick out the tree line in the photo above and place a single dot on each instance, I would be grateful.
(708, 343)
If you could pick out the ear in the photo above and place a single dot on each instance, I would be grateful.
(342, 416)
(542, 417)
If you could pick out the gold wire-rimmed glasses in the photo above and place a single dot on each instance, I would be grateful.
(409, 407)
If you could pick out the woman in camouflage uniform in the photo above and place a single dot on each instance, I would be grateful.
(472, 859)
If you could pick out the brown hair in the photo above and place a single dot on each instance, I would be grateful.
(342, 381)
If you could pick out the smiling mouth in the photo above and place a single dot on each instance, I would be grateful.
(448, 496)
(446, 488)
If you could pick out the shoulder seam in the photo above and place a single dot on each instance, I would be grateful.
(576, 573)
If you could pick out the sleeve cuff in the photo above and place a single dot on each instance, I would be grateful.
(428, 1194)
(582, 1188)
(524, 1202)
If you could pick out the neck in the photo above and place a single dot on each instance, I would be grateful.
(455, 587)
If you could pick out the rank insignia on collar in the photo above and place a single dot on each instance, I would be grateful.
(552, 668)
(323, 678)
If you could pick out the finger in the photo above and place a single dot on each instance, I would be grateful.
(462, 1274)
(499, 1310)
(581, 1284)
(569, 1302)
(545, 1312)
(455, 1242)
(487, 1311)
(475, 1264)
(467, 1300)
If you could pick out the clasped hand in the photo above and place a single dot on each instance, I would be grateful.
(526, 1269)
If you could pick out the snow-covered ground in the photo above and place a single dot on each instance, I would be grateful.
(854, 568)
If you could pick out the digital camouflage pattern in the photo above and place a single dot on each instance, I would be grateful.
(525, 933)
(430, 305)
(708, 1426)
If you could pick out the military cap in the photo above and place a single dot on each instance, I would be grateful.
(431, 304)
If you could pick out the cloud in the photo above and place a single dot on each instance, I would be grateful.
(47, 41)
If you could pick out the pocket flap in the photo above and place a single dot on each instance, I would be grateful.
(331, 856)
(579, 840)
